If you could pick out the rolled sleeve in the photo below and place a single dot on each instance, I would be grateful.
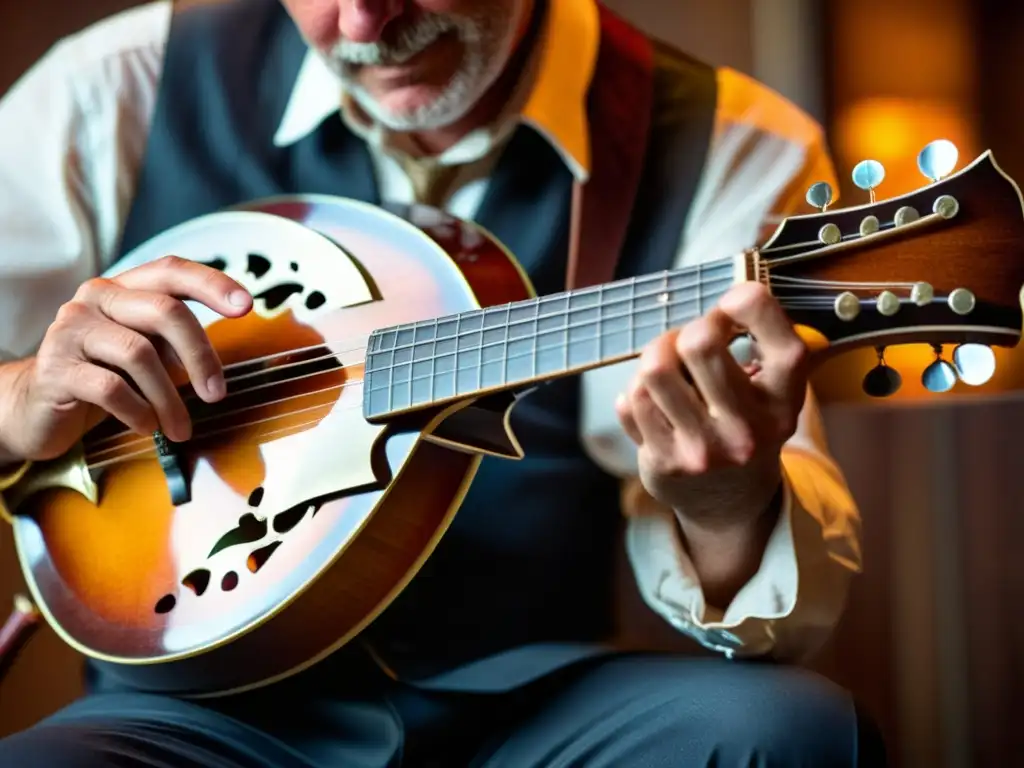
(794, 600)
(764, 155)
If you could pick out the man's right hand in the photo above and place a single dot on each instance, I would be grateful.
(111, 351)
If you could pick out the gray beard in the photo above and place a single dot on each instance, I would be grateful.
(486, 39)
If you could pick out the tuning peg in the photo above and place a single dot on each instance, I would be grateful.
(819, 195)
(882, 381)
(868, 175)
(938, 159)
(940, 376)
(975, 363)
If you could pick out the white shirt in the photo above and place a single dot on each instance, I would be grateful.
(73, 132)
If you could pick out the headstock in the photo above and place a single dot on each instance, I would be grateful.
(941, 265)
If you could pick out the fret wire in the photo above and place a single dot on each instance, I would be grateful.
(537, 347)
(504, 357)
(433, 360)
(672, 303)
(565, 332)
(654, 325)
(700, 290)
(391, 376)
(455, 361)
(726, 277)
(480, 353)
(665, 299)
(632, 315)
(536, 334)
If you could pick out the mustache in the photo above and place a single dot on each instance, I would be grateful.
(409, 40)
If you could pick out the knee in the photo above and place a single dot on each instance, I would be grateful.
(755, 714)
(53, 745)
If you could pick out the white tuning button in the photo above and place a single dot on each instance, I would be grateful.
(946, 206)
(888, 303)
(869, 225)
(922, 294)
(847, 306)
(961, 301)
(830, 234)
(906, 215)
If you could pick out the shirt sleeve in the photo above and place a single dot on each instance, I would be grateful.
(764, 155)
(72, 135)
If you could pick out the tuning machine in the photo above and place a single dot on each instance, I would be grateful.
(882, 380)
(868, 175)
(940, 375)
(973, 364)
(938, 159)
(820, 196)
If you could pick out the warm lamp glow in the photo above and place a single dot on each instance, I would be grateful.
(838, 380)
(893, 131)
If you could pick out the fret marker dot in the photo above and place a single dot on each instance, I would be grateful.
(663, 298)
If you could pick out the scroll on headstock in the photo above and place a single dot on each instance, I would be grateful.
(943, 265)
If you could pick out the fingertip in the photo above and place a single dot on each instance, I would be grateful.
(240, 301)
(215, 388)
(622, 405)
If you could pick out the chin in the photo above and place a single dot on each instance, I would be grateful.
(405, 103)
(416, 107)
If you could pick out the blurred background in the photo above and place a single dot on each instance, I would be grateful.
(933, 636)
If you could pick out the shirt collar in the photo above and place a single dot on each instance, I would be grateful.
(562, 66)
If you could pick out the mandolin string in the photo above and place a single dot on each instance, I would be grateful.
(804, 302)
(192, 397)
(819, 301)
(480, 348)
(700, 283)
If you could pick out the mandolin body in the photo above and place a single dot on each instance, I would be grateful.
(367, 383)
(305, 521)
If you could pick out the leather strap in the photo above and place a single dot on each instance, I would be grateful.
(619, 111)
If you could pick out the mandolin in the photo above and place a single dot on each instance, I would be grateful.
(385, 351)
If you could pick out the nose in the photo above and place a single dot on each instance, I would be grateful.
(363, 21)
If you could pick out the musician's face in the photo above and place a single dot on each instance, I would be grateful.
(413, 64)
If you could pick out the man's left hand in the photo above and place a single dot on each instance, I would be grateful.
(710, 430)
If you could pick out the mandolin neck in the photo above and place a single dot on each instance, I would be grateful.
(513, 346)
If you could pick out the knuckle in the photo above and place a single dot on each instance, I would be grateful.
(655, 374)
(697, 341)
(110, 388)
(752, 293)
(742, 445)
(92, 289)
(685, 460)
(696, 460)
(168, 308)
(657, 364)
(136, 349)
(665, 466)
(69, 315)
(171, 261)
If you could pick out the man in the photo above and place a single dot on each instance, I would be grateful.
(741, 532)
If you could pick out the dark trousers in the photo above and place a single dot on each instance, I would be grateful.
(650, 711)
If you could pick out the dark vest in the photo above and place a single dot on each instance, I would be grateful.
(528, 566)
